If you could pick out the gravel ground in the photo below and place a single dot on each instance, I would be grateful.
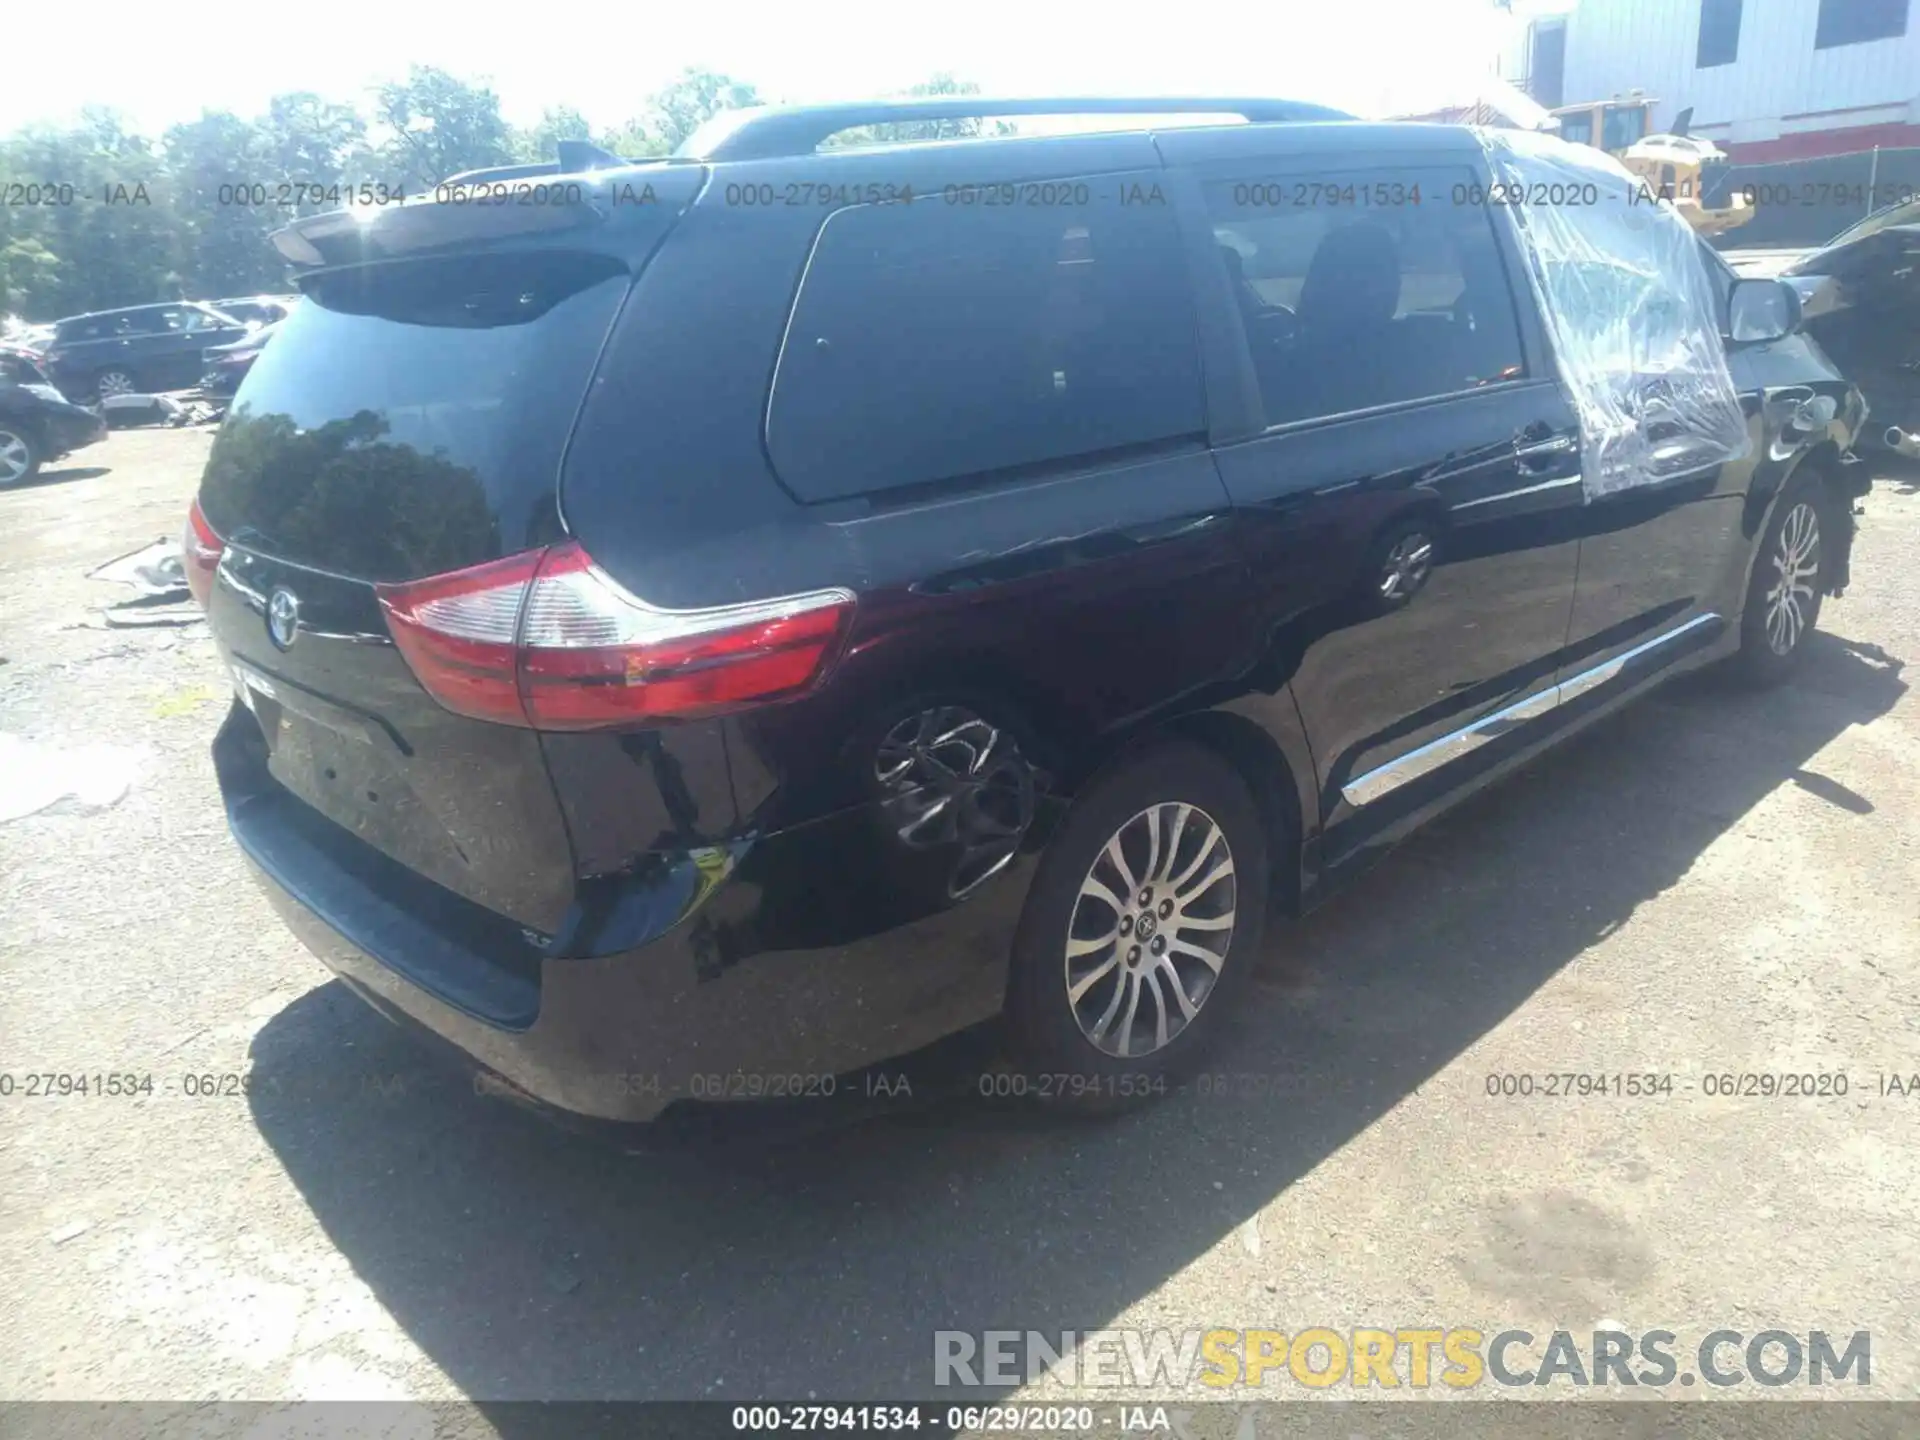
(1715, 881)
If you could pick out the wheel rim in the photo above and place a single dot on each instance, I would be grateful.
(1796, 563)
(1406, 567)
(954, 781)
(1150, 930)
(14, 458)
(116, 382)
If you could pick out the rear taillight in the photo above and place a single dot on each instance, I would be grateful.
(199, 554)
(548, 640)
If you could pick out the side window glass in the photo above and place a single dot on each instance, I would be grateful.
(976, 331)
(1372, 290)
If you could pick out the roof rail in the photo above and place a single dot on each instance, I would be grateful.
(767, 132)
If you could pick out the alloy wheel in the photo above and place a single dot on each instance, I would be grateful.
(115, 382)
(953, 781)
(1796, 565)
(1406, 567)
(1150, 930)
(15, 457)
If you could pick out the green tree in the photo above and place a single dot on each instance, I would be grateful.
(941, 83)
(438, 125)
(226, 193)
(633, 140)
(542, 140)
(307, 140)
(116, 243)
(192, 213)
(690, 100)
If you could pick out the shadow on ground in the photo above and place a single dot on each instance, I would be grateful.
(60, 477)
(1897, 471)
(529, 1264)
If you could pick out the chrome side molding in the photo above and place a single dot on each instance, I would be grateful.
(1385, 779)
(1586, 680)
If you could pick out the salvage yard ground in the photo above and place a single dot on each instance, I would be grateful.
(1714, 882)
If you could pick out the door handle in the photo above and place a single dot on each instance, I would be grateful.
(1534, 456)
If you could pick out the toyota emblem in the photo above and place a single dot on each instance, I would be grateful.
(283, 618)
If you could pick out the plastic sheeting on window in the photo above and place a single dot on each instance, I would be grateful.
(1631, 312)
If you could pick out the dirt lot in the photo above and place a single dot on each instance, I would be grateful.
(1714, 882)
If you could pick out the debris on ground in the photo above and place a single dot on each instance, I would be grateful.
(155, 571)
(34, 776)
(126, 411)
(122, 411)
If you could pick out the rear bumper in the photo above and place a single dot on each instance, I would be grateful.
(786, 971)
(75, 429)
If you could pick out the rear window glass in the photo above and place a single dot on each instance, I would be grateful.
(960, 334)
(409, 418)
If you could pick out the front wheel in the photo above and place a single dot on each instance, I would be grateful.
(1789, 576)
(19, 456)
(1143, 922)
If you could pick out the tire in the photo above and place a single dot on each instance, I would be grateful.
(1775, 624)
(1399, 565)
(20, 455)
(1072, 1052)
(114, 381)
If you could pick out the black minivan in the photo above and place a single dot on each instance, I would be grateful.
(704, 627)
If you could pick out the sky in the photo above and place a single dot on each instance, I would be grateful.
(1369, 56)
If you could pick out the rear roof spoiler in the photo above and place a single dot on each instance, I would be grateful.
(341, 237)
(766, 132)
(576, 157)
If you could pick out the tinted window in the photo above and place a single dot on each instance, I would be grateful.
(1387, 292)
(1719, 42)
(1850, 22)
(409, 418)
(1619, 128)
(1577, 129)
(934, 340)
